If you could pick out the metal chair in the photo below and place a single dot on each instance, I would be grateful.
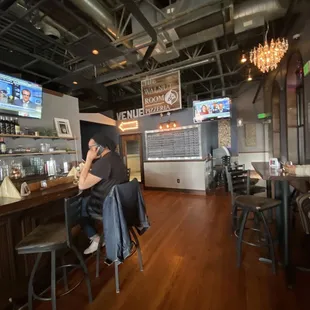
(303, 204)
(134, 239)
(257, 206)
(50, 238)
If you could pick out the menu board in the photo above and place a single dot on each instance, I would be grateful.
(174, 144)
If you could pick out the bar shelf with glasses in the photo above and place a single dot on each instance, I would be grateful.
(37, 153)
(34, 137)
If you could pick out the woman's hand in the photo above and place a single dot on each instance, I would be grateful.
(290, 169)
(92, 154)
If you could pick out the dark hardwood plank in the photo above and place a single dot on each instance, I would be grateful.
(189, 263)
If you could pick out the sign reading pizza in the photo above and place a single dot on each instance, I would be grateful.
(161, 93)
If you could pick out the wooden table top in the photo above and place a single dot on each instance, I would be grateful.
(270, 174)
(12, 205)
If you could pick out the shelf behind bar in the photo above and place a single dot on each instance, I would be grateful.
(34, 137)
(36, 154)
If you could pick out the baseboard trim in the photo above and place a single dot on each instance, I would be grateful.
(178, 190)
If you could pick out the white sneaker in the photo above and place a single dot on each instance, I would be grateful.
(93, 245)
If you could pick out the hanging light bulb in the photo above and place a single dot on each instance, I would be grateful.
(174, 124)
(243, 59)
(167, 126)
(160, 126)
(250, 76)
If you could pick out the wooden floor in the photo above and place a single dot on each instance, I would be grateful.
(189, 263)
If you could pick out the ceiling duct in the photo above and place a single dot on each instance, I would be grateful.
(49, 26)
(5, 4)
(169, 43)
(252, 14)
(100, 15)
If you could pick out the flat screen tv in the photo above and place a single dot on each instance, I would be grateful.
(211, 109)
(19, 97)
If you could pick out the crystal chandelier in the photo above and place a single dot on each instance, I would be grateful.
(267, 57)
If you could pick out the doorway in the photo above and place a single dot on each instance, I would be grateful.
(132, 155)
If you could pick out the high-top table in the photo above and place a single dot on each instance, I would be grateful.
(270, 174)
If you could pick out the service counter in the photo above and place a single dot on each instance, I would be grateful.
(18, 217)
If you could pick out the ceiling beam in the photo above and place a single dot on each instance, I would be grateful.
(214, 77)
(33, 8)
(186, 64)
(177, 20)
(40, 58)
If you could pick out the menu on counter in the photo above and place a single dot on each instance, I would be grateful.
(174, 144)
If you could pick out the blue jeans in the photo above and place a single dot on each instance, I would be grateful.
(87, 221)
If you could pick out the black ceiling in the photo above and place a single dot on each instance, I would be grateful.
(57, 62)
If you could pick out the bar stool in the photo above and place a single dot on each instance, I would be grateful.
(255, 205)
(50, 238)
(128, 194)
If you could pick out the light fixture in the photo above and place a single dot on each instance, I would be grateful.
(132, 125)
(243, 59)
(267, 57)
(168, 125)
(239, 122)
(250, 76)
(75, 82)
(95, 52)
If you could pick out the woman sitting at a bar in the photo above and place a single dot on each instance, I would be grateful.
(102, 170)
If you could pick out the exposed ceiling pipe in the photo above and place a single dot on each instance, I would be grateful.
(270, 9)
(20, 8)
(132, 7)
(100, 15)
(219, 66)
(5, 4)
(177, 20)
(188, 63)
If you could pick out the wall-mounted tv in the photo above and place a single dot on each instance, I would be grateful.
(19, 97)
(211, 109)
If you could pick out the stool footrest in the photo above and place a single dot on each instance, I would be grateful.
(75, 266)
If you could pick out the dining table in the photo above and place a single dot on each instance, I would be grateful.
(281, 180)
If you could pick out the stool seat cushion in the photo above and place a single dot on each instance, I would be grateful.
(256, 202)
(44, 238)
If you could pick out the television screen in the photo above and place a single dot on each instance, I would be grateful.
(19, 97)
(211, 109)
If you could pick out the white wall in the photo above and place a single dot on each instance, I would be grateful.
(165, 175)
(97, 118)
(66, 107)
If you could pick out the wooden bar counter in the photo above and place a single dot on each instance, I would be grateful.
(18, 217)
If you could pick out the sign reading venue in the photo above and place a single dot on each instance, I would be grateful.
(161, 93)
(130, 114)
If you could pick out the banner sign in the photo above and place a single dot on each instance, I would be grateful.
(161, 93)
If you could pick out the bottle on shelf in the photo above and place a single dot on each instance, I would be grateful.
(2, 146)
(7, 126)
(17, 127)
(3, 125)
(12, 126)
(1, 121)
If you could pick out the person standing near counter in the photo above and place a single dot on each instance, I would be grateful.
(103, 169)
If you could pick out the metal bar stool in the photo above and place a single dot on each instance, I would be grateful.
(135, 247)
(257, 206)
(50, 238)
(240, 183)
(128, 203)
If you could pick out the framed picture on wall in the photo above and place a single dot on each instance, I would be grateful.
(63, 128)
